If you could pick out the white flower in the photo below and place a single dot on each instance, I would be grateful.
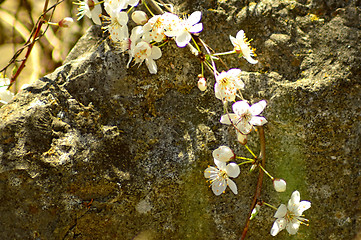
(5, 95)
(139, 17)
(155, 27)
(280, 185)
(227, 84)
(223, 154)
(242, 46)
(145, 51)
(219, 176)
(117, 25)
(90, 8)
(182, 31)
(129, 44)
(244, 116)
(290, 217)
(111, 5)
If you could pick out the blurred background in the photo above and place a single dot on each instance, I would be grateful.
(17, 19)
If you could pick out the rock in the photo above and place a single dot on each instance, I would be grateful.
(98, 151)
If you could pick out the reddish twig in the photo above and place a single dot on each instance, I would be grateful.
(257, 194)
(37, 31)
(34, 36)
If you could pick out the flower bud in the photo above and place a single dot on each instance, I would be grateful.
(65, 22)
(202, 84)
(139, 17)
(242, 139)
(223, 154)
(279, 185)
(255, 211)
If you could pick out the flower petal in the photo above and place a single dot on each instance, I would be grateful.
(250, 59)
(194, 18)
(219, 164)
(303, 206)
(152, 66)
(294, 201)
(240, 35)
(278, 226)
(183, 39)
(233, 40)
(227, 118)
(293, 226)
(281, 211)
(240, 107)
(196, 28)
(210, 172)
(242, 139)
(232, 186)
(219, 186)
(232, 170)
(156, 52)
(257, 108)
(244, 127)
(257, 121)
(223, 153)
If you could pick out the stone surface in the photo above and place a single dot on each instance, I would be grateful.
(98, 151)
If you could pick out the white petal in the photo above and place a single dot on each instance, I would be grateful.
(5, 96)
(232, 186)
(122, 18)
(219, 164)
(303, 206)
(240, 107)
(210, 172)
(250, 59)
(240, 35)
(278, 226)
(257, 108)
(156, 52)
(183, 39)
(242, 139)
(194, 18)
(295, 199)
(258, 121)
(227, 118)
(244, 127)
(219, 186)
(293, 226)
(232, 170)
(223, 153)
(152, 66)
(233, 40)
(196, 28)
(133, 3)
(281, 211)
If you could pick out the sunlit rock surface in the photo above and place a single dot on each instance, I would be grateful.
(98, 151)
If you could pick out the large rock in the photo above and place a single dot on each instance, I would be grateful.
(98, 151)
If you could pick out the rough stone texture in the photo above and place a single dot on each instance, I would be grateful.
(98, 151)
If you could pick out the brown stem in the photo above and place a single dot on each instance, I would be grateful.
(35, 34)
(37, 31)
(257, 194)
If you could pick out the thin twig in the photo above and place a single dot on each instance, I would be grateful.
(34, 36)
(257, 194)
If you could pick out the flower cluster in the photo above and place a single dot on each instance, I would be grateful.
(141, 43)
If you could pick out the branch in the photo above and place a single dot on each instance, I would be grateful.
(257, 194)
(34, 36)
